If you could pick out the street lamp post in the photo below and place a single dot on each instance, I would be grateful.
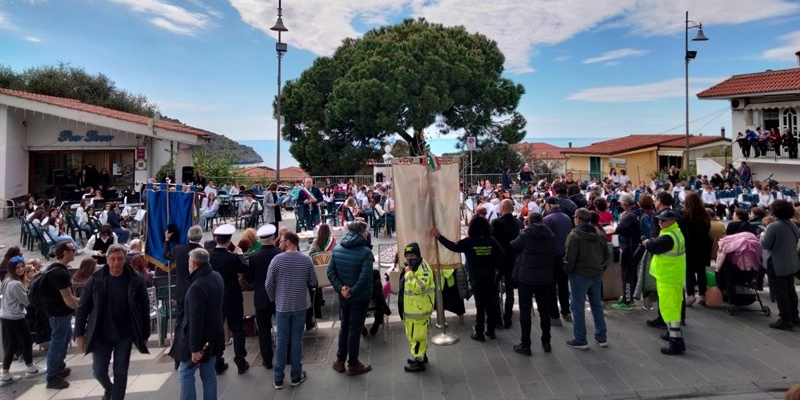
(688, 56)
(280, 48)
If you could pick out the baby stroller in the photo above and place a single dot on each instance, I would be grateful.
(739, 272)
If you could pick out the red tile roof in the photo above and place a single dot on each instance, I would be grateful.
(762, 82)
(542, 151)
(637, 142)
(102, 111)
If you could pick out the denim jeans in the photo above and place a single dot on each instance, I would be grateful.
(207, 375)
(351, 316)
(290, 330)
(101, 357)
(582, 286)
(60, 335)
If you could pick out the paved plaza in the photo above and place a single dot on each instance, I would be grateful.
(728, 357)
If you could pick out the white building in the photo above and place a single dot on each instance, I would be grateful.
(45, 139)
(769, 99)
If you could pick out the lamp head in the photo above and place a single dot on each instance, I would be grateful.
(700, 37)
(280, 27)
(691, 54)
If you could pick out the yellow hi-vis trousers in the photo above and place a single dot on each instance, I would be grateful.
(670, 299)
(417, 334)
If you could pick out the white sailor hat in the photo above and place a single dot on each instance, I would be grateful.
(225, 230)
(266, 231)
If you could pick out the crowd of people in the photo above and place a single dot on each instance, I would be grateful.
(553, 247)
(760, 141)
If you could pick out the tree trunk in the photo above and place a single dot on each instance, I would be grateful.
(416, 146)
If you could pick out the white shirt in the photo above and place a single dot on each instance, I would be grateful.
(209, 210)
(233, 191)
(613, 178)
(533, 207)
(709, 197)
(623, 179)
(208, 189)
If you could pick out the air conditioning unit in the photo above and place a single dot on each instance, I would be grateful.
(738, 104)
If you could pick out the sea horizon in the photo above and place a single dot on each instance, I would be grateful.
(266, 148)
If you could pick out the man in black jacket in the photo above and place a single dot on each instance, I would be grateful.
(505, 229)
(112, 316)
(534, 276)
(265, 308)
(567, 206)
(200, 337)
(180, 256)
(230, 265)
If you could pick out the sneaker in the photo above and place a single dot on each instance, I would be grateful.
(622, 306)
(299, 381)
(690, 300)
(80, 250)
(601, 343)
(358, 369)
(522, 349)
(32, 371)
(567, 317)
(338, 366)
(555, 321)
(577, 345)
(278, 384)
(676, 346)
(7, 379)
(57, 383)
(701, 300)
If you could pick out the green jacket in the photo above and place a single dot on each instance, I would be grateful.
(586, 251)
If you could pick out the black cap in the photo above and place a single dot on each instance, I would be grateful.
(551, 200)
(667, 214)
(413, 248)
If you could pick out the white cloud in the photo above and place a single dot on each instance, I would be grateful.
(790, 45)
(611, 63)
(646, 92)
(615, 55)
(5, 22)
(169, 17)
(33, 39)
(518, 27)
(562, 58)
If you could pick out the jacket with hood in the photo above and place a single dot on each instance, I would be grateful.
(535, 247)
(587, 251)
(351, 265)
(482, 253)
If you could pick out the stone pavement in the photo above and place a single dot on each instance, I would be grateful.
(728, 357)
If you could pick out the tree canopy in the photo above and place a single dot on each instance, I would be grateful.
(400, 80)
(63, 80)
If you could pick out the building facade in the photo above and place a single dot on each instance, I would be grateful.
(46, 141)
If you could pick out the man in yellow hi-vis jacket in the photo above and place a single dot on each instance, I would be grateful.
(418, 298)
(668, 266)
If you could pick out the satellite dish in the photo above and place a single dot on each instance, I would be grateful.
(387, 148)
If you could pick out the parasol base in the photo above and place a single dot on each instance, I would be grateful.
(444, 339)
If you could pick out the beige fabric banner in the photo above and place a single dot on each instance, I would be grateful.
(423, 197)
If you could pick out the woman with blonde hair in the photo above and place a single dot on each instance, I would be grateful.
(252, 237)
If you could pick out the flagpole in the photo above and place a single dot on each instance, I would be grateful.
(443, 338)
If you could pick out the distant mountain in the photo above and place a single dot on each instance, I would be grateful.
(242, 154)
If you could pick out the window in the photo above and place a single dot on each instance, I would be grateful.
(771, 118)
(595, 168)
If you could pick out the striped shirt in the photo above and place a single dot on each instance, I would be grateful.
(289, 276)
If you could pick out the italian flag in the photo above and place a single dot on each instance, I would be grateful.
(432, 161)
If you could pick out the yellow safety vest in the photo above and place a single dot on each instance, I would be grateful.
(670, 267)
(419, 292)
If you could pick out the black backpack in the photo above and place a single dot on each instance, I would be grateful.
(37, 309)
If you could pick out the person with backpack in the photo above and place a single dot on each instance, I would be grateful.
(16, 335)
(59, 304)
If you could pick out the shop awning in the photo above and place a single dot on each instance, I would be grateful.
(780, 104)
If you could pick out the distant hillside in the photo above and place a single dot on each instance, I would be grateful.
(242, 154)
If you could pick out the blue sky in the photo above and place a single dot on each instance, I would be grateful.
(591, 68)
